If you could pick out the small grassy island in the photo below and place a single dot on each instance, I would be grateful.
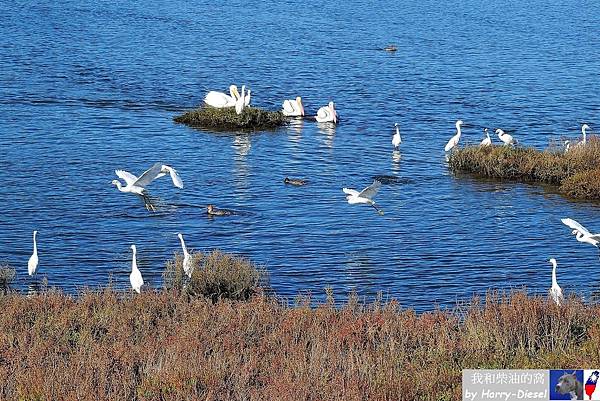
(576, 172)
(251, 118)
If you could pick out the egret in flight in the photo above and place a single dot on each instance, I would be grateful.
(487, 141)
(582, 234)
(138, 186)
(365, 196)
(506, 138)
(33, 259)
(555, 291)
(188, 267)
(135, 278)
(454, 140)
(396, 139)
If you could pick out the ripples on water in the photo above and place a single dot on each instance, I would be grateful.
(90, 87)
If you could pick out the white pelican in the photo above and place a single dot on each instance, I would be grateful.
(506, 138)
(188, 268)
(365, 196)
(487, 141)
(293, 108)
(396, 139)
(454, 140)
(137, 185)
(135, 278)
(33, 259)
(240, 103)
(327, 114)
(555, 291)
(220, 99)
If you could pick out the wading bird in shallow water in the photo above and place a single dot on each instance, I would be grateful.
(454, 140)
(135, 278)
(220, 99)
(396, 139)
(33, 259)
(365, 196)
(138, 186)
(582, 234)
(188, 268)
(555, 291)
(327, 114)
(506, 138)
(487, 141)
(293, 107)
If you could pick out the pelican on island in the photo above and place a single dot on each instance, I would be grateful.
(506, 138)
(135, 278)
(327, 114)
(293, 107)
(454, 140)
(555, 291)
(220, 99)
(32, 264)
(396, 139)
(365, 196)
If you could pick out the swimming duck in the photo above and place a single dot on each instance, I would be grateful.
(390, 48)
(294, 181)
(213, 211)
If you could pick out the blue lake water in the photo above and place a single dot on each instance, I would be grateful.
(89, 87)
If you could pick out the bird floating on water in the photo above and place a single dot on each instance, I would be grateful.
(327, 114)
(213, 211)
(138, 186)
(221, 100)
(454, 140)
(487, 141)
(293, 107)
(390, 48)
(582, 234)
(135, 278)
(506, 138)
(294, 181)
(188, 267)
(396, 139)
(555, 291)
(365, 196)
(32, 264)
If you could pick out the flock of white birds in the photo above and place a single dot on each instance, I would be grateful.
(294, 108)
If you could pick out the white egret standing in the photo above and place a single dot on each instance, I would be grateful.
(487, 141)
(454, 140)
(555, 291)
(220, 99)
(188, 268)
(396, 139)
(33, 259)
(584, 127)
(293, 107)
(137, 185)
(327, 114)
(567, 145)
(365, 196)
(135, 278)
(241, 102)
(506, 138)
(247, 99)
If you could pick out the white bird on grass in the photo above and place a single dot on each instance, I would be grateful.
(365, 196)
(247, 99)
(137, 185)
(487, 141)
(33, 259)
(327, 114)
(454, 140)
(135, 278)
(240, 103)
(293, 107)
(220, 99)
(584, 129)
(188, 267)
(582, 234)
(567, 145)
(555, 291)
(506, 138)
(396, 139)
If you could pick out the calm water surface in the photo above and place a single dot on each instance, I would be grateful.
(88, 87)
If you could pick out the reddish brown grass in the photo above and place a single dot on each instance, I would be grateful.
(160, 345)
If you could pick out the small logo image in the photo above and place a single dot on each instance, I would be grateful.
(566, 384)
(590, 387)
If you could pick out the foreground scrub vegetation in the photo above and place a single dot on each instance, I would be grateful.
(576, 172)
(219, 337)
(251, 118)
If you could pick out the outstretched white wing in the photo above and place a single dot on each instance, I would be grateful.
(126, 176)
(148, 176)
(174, 175)
(576, 226)
(350, 191)
(370, 191)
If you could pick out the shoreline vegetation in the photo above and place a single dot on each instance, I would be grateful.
(251, 118)
(576, 172)
(219, 336)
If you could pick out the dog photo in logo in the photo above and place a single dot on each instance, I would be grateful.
(566, 384)
(591, 387)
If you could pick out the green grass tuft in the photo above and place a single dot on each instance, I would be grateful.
(251, 118)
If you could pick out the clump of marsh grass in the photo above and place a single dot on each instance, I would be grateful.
(251, 118)
(7, 275)
(576, 171)
(216, 276)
